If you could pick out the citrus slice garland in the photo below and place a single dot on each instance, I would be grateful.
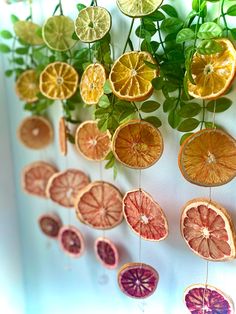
(58, 80)
(63, 136)
(201, 299)
(137, 144)
(35, 177)
(138, 8)
(106, 252)
(35, 132)
(99, 205)
(71, 241)
(208, 230)
(91, 84)
(213, 74)
(137, 280)
(144, 215)
(208, 158)
(27, 86)
(131, 78)
(92, 24)
(92, 143)
(64, 186)
(57, 33)
(50, 224)
(27, 31)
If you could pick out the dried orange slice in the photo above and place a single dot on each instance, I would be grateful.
(137, 144)
(138, 8)
(27, 31)
(213, 74)
(208, 230)
(35, 132)
(106, 252)
(50, 224)
(91, 142)
(63, 136)
(58, 80)
(64, 186)
(99, 205)
(91, 84)
(208, 158)
(35, 177)
(131, 78)
(71, 241)
(27, 86)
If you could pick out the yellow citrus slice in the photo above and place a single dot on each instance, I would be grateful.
(35, 132)
(27, 31)
(63, 136)
(91, 142)
(92, 24)
(58, 80)
(27, 86)
(138, 8)
(57, 33)
(208, 158)
(213, 74)
(91, 84)
(131, 78)
(137, 144)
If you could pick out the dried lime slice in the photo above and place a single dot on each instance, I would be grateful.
(27, 31)
(138, 8)
(92, 24)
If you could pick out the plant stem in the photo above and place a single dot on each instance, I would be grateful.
(137, 110)
(60, 6)
(31, 10)
(161, 41)
(130, 30)
(224, 19)
(203, 113)
(13, 53)
(198, 21)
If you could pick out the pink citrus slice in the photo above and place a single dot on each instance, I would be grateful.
(71, 241)
(106, 252)
(50, 224)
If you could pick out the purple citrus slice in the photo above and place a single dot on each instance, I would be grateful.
(106, 252)
(71, 241)
(50, 224)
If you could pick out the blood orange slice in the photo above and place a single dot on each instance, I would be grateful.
(50, 224)
(100, 205)
(138, 280)
(208, 230)
(71, 241)
(64, 186)
(63, 136)
(35, 177)
(106, 252)
(145, 216)
(201, 299)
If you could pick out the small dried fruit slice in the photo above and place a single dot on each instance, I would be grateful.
(50, 224)
(137, 144)
(138, 8)
(144, 215)
(99, 205)
(138, 280)
(63, 136)
(92, 143)
(106, 252)
(208, 158)
(71, 241)
(27, 86)
(208, 230)
(35, 132)
(58, 80)
(91, 84)
(201, 299)
(27, 31)
(64, 186)
(35, 177)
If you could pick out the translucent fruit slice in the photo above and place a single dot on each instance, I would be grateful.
(27, 86)
(208, 230)
(144, 215)
(208, 158)
(35, 132)
(91, 142)
(137, 144)
(92, 24)
(64, 186)
(28, 32)
(58, 80)
(57, 33)
(201, 299)
(50, 224)
(138, 280)
(106, 252)
(99, 205)
(71, 241)
(63, 136)
(138, 8)
(35, 177)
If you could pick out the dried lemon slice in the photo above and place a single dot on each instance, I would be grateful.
(27, 31)
(27, 86)
(138, 8)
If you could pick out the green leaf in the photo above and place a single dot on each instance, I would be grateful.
(169, 104)
(219, 105)
(154, 121)
(184, 137)
(149, 106)
(14, 19)
(80, 6)
(158, 83)
(125, 114)
(151, 65)
(232, 10)
(107, 87)
(188, 125)
(104, 102)
(233, 33)
(157, 16)
(211, 125)
(22, 51)
(185, 34)
(74, 36)
(173, 119)
(8, 73)
(208, 47)
(209, 30)
(171, 25)
(169, 10)
(103, 124)
(6, 34)
(189, 110)
(4, 48)
(70, 138)
(110, 163)
(19, 61)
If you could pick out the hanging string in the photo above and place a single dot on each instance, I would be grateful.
(214, 115)
(140, 32)
(205, 286)
(140, 217)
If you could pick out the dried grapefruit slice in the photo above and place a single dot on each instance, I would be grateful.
(208, 158)
(27, 86)
(99, 205)
(131, 78)
(63, 136)
(91, 84)
(137, 144)
(213, 74)
(138, 8)
(106, 252)
(138, 280)
(64, 186)
(50, 224)
(208, 230)
(58, 80)
(71, 241)
(27, 31)
(92, 143)
(35, 177)
(144, 215)
(201, 299)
